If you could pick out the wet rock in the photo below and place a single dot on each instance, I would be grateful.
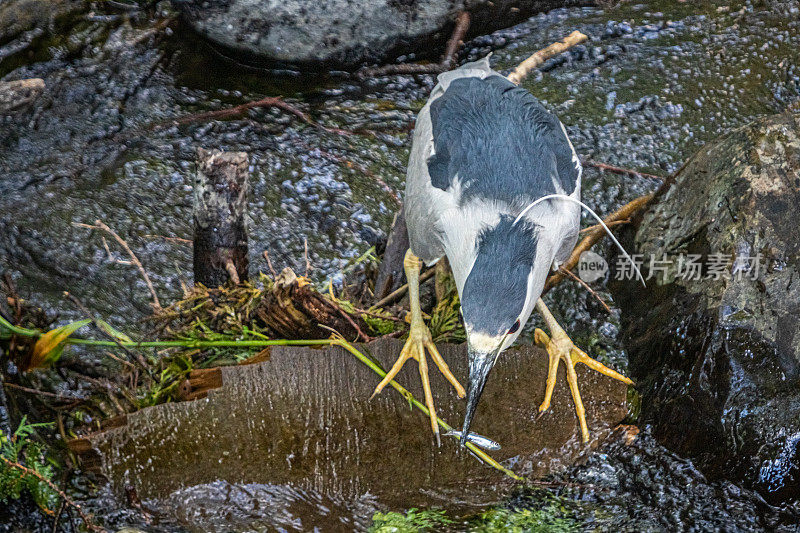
(18, 17)
(717, 352)
(637, 485)
(16, 95)
(297, 438)
(343, 32)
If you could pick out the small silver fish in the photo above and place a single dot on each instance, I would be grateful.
(478, 440)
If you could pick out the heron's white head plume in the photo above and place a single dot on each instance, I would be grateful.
(595, 215)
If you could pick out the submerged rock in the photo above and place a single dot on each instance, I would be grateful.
(344, 32)
(637, 485)
(716, 351)
(18, 17)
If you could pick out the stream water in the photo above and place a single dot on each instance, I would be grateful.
(655, 82)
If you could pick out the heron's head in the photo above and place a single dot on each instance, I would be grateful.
(498, 296)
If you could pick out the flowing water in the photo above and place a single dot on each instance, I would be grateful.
(295, 441)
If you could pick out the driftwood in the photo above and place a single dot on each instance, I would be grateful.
(220, 213)
(14, 95)
(294, 310)
(199, 382)
(390, 272)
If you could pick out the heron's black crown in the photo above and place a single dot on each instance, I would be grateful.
(496, 287)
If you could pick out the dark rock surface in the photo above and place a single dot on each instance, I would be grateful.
(638, 486)
(718, 358)
(346, 32)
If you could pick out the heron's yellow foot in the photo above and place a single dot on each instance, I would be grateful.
(561, 347)
(419, 340)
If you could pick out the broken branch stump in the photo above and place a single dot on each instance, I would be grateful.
(390, 272)
(221, 191)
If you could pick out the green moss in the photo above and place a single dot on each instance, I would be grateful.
(548, 519)
(634, 403)
(22, 449)
(412, 520)
(551, 518)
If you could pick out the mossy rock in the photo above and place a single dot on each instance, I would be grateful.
(718, 358)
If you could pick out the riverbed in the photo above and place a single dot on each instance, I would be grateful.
(654, 83)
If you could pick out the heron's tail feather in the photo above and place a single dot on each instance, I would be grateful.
(589, 209)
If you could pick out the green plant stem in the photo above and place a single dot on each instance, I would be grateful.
(406, 394)
(18, 330)
(199, 344)
(336, 341)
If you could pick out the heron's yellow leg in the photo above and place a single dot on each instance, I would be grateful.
(560, 346)
(419, 339)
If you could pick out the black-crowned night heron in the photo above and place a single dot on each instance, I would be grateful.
(494, 184)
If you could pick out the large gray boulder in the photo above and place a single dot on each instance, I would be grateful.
(718, 358)
(346, 32)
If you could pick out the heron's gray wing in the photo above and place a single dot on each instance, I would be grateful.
(425, 203)
(500, 142)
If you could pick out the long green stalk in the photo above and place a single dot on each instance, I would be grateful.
(406, 394)
(190, 343)
(336, 340)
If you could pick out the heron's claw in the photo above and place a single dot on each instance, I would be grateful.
(562, 347)
(419, 340)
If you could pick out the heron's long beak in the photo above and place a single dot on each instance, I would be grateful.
(480, 364)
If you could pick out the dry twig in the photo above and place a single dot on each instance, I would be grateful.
(447, 62)
(270, 101)
(624, 212)
(619, 170)
(269, 264)
(525, 68)
(586, 286)
(100, 225)
(38, 392)
(396, 295)
(359, 332)
(179, 240)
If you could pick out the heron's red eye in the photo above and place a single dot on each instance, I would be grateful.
(514, 328)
